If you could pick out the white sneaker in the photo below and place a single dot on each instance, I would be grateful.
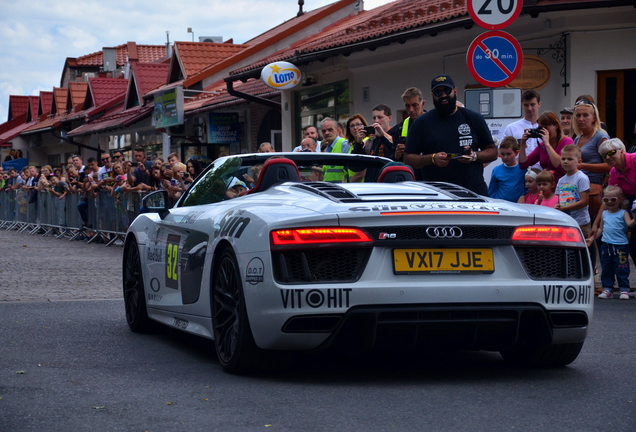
(624, 295)
(606, 294)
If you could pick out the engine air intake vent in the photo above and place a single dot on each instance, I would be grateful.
(330, 191)
(540, 263)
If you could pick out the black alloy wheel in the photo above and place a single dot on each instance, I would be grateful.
(235, 346)
(134, 300)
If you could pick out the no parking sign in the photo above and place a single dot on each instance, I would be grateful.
(494, 58)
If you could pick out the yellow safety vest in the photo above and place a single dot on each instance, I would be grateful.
(332, 173)
(405, 127)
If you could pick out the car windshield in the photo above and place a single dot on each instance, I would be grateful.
(232, 176)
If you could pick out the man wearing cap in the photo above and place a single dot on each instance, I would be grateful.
(450, 143)
(530, 102)
(566, 121)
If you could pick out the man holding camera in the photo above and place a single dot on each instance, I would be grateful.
(141, 174)
(531, 102)
(445, 141)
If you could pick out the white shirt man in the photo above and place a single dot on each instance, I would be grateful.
(531, 102)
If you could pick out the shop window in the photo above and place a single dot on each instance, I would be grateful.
(315, 104)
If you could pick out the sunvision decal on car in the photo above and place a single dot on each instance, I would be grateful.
(430, 206)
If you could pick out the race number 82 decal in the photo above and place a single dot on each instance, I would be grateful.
(172, 256)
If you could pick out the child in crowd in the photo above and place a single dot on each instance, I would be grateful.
(531, 186)
(614, 243)
(545, 184)
(573, 188)
(573, 191)
(58, 187)
(507, 180)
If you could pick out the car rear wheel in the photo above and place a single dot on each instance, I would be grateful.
(134, 300)
(235, 346)
(548, 356)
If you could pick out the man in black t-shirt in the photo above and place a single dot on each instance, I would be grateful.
(445, 141)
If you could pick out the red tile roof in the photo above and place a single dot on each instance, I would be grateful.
(33, 107)
(18, 105)
(6, 126)
(102, 90)
(392, 19)
(58, 105)
(269, 38)
(145, 54)
(149, 76)
(77, 92)
(46, 101)
(220, 96)
(193, 57)
(19, 126)
(51, 122)
(113, 121)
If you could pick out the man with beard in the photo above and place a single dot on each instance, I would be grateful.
(445, 141)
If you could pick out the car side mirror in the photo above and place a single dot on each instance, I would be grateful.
(156, 202)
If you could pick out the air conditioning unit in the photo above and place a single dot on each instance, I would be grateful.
(214, 39)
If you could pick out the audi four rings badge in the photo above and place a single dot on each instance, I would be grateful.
(444, 232)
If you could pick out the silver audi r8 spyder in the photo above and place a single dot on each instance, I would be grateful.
(260, 254)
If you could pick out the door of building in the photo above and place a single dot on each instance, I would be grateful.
(617, 103)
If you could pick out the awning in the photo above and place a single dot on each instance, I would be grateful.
(113, 121)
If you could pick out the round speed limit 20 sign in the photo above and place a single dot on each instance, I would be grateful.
(494, 14)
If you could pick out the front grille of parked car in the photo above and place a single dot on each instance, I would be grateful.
(469, 232)
(320, 265)
(541, 263)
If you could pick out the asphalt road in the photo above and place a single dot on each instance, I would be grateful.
(75, 366)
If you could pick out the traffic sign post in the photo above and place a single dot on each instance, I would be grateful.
(494, 58)
(494, 14)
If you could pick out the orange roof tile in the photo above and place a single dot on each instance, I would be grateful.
(58, 104)
(104, 89)
(46, 101)
(392, 19)
(145, 54)
(149, 76)
(33, 107)
(114, 120)
(255, 87)
(269, 38)
(77, 92)
(196, 56)
(45, 123)
(18, 105)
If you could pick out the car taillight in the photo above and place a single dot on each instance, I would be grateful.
(318, 237)
(553, 235)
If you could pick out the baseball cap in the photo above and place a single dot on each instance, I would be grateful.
(566, 110)
(442, 80)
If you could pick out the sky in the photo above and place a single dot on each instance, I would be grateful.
(37, 36)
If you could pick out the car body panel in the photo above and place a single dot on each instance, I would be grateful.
(178, 256)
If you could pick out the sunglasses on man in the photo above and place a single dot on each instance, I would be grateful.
(438, 92)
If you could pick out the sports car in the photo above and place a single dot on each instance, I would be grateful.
(259, 254)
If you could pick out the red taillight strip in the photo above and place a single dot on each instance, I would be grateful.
(411, 213)
(307, 236)
(547, 234)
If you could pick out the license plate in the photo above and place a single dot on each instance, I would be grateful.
(443, 261)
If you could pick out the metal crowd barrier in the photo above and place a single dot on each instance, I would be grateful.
(108, 217)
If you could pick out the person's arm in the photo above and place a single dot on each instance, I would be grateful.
(419, 161)
(582, 203)
(523, 157)
(493, 187)
(628, 219)
(594, 235)
(63, 194)
(555, 158)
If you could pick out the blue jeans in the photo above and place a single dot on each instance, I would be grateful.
(615, 263)
(82, 207)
